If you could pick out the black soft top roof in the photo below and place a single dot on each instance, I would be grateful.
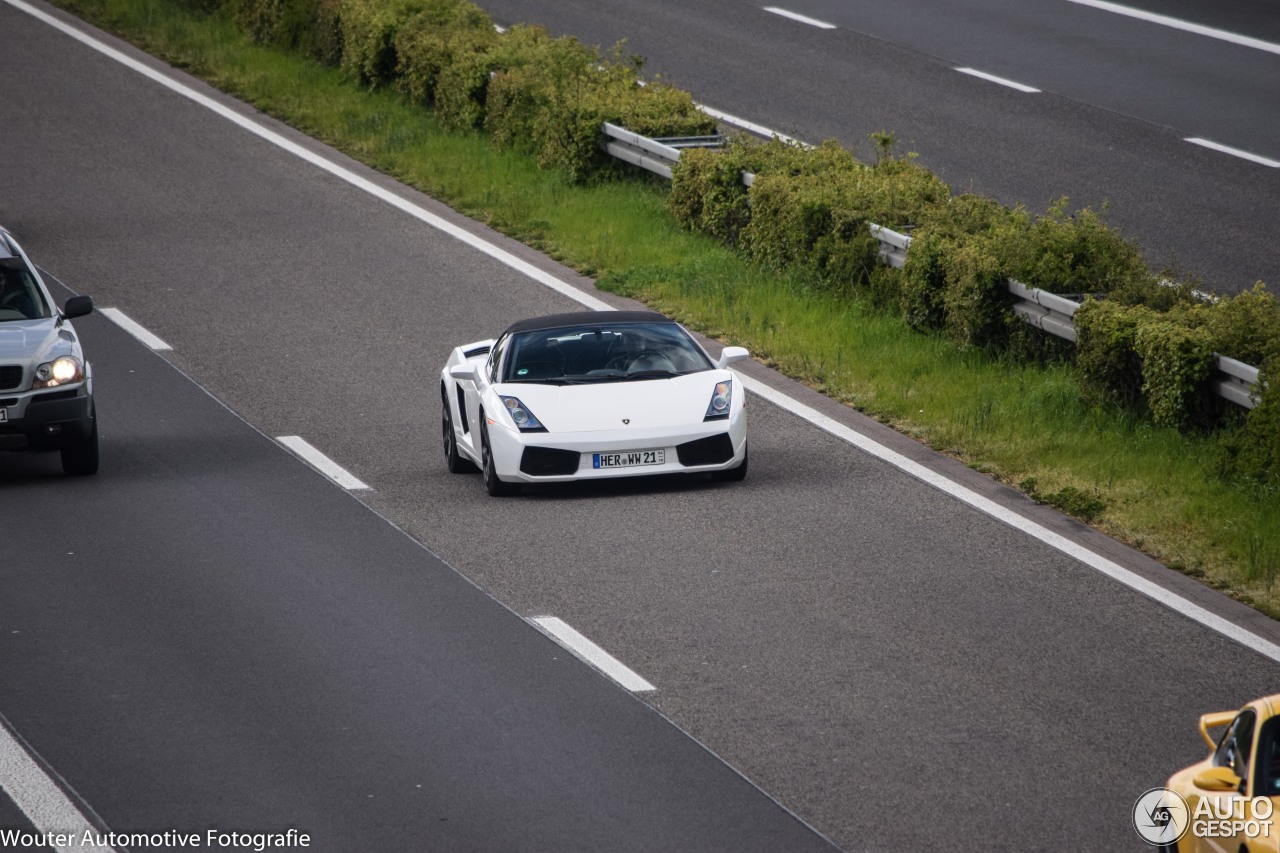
(585, 318)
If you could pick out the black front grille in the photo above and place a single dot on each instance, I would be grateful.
(10, 376)
(6, 402)
(712, 450)
(549, 462)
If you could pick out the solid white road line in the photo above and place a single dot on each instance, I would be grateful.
(322, 463)
(758, 129)
(994, 79)
(813, 22)
(1037, 531)
(261, 131)
(39, 797)
(1179, 24)
(588, 651)
(1235, 152)
(1111, 569)
(118, 317)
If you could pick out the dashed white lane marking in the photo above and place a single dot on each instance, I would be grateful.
(1012, 84)
(1107, 567)
(1179, 24)
(585, 650)
(131, 326)
(322, 463)
(39, 797)
(804, 19)
(1235, 152)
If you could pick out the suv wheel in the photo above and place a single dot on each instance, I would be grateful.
(81, 459)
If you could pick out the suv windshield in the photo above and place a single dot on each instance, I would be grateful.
(614, 352)
(20, 299)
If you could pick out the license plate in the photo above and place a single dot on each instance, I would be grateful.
(629, 459)
(4, 416)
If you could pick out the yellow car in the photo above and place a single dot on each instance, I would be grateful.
(1231, 797)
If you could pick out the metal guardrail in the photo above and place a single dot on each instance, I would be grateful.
(1234, 380)
(655, 155)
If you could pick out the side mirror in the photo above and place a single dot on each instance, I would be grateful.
(1217, 779)
(731, 354)
(466, 370)
(77, 306)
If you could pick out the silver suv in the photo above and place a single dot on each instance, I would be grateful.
(46, 386)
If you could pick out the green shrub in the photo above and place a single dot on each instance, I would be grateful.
(924, 281)
(1177, 362)
(976, 300)
(1258, 454)
(325, 43)
(368, 37)
(1106, 353)
(287, 24)
(1079, 254)
(707, 193)
(551, 95)
(461, 89)
(819, 219)
(444, 32)
(942, 228)
(1245, 327)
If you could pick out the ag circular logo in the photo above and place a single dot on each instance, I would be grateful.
(1161, 816)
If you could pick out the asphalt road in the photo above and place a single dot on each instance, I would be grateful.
(899, 669)
(211, 635)
(1119, 96)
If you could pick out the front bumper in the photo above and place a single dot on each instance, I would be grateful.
(686, 450)
(46, 420)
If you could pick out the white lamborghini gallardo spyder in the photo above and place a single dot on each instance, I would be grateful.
(588, 395)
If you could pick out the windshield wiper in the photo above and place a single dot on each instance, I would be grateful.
(652, 374)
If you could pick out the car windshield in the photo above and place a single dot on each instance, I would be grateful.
(607, 352)
(20, 299)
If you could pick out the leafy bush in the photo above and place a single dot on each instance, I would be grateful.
(1257, 454)
(707, 193)
(1078, 254)
(942, 228)
(368, 37)
(287, 24)
(551, 95)
(976, 301)
(820, 219)
(1245, 326)
(443, 33)
(1177, 361)
(1106, 353)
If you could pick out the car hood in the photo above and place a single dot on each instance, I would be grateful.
(31, 340)
(645, 403)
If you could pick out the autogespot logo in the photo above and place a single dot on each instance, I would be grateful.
(1161, 816)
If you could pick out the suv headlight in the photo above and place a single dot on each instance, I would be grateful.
(61, 371)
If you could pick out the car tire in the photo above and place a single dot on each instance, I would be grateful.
(81, 459)
(733, 475)
(493, 485)
(453, 460)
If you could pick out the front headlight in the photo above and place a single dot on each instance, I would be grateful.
(524, 419)
(721, 400)
(61, 371)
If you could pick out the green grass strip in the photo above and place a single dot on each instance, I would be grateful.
(1025, 424)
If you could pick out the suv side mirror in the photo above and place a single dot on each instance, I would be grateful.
(731, 354)
(77, 306)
